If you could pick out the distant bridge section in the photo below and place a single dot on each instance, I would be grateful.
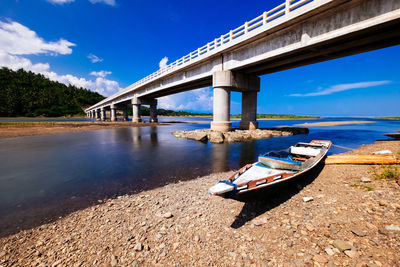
(293, 34)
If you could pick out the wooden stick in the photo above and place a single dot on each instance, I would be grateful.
(362, 159)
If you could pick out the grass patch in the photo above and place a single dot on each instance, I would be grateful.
(363, 187)
(388, 172)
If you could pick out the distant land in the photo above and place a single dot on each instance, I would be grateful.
(389, 118)
(27, 94)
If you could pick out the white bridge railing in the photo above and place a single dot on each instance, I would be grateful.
(249, 26)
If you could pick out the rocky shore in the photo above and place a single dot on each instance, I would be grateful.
(204, 135)
(340, 216)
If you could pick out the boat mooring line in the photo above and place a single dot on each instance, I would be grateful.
(342, 147)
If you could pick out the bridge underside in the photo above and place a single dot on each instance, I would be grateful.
(329, 29)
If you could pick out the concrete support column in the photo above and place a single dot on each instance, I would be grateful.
(221, 109)
(249, 111)
(153, 112)
(103, 114)
(136, 110)
(222, 83)
(126, 115)
(113, 114)
(98, 114)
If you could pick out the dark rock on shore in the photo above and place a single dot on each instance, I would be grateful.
(238, 135)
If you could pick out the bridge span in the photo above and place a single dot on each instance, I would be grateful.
(293, 34)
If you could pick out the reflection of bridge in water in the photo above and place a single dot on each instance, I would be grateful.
(296, 33)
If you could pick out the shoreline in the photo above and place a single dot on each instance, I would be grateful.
(180, 224)
(19, 129)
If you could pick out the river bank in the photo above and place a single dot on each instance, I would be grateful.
(181, 225)
(16, 129)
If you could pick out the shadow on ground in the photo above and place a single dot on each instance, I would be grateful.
(261, 202)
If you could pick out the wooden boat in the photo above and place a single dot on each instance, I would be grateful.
(273, 168)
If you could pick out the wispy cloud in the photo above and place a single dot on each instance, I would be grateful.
(60, 2)
(102, 73)
(107, 2)
(163, 62)
(344, 87)
(94, 58)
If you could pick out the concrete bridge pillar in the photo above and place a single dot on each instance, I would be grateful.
(103, 114)
(153, 111)
(222, 101)
(136, 110)
(126, 115)
(226, 81)
(113, 114)
(249, 111)
(97, 114)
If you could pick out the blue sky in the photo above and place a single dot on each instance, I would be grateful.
(105, 45)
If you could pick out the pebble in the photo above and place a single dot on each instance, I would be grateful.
(341, 245)
(392, 227)
(309, 227)
(114, 262)
(167, 215)
(329, 251)
(351, 253)
(138, 247)
(365, 180)
(358, 232)
(320, 259)
(308, 199)
(158, 236)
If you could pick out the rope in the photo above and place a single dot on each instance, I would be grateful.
(342, 147)
(233, 192)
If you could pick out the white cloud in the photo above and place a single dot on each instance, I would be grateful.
(199, 100)
(17, 39)
(344, 87)
(101, 74)
(28, 43)
(60, 2)
(94, 58)
(163, 62)
(107, 2)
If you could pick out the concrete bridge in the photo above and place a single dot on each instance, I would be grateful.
(295, 33)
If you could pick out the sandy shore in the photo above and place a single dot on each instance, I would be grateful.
(332, 123)
(348, 223)
(38, 128)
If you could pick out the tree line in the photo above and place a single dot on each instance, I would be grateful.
(27, 94)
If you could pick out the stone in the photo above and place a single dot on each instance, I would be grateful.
(320, 258)
(351, 253)
(216, 137)
(138, 246)
(308, 199)
(196, 238)
(309, 227)
(365, 180)
(114, 262)
(392, 227)
(158, 236)
(382, 203)
(358, 232)
(341, 245)
(175, 246)
(329, 251)
(167, 215)
(260, 221)
(197, 136)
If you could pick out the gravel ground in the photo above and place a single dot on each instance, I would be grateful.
(341, 216)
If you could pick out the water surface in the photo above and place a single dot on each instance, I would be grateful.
(46, 176)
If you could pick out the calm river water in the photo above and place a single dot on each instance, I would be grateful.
(44, 177)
